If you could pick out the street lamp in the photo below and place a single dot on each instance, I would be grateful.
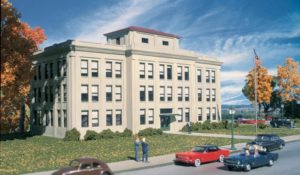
(232, 112)
(282, 108)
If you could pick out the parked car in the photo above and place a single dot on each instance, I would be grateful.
(252, 121)
(201, 154)
(267, 142)
(247, 162)
(85, 166)
(282, 122)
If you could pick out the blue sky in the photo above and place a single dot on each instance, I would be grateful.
(228, 30)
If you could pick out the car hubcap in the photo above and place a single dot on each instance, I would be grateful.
(197, 162)
(221, 159)
(270, 162)
(248, 167)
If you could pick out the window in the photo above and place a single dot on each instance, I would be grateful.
(46, 93)
(214, 112)
(162, 93)
(165, 43)
(150, 93)
(109, 93)
(169, 93)
(39, 95)
(142, 70)
(207, 76)
(198, 75)
(51, 70)
(118, 117)
(199, 94)
(186, 73)
(34, 100)
(180, 114)
(213, 76)
(118, 42)
(150, 70)
(46, 71)
(84, 119)
(84, 68)
(151, 116)
(51, 94)
(95, 118)
(35, 121)
(108, 69)
(187, 93)
(84, 93)
(161, 72)
(179, 93)
(47, 118)
(35, 75)
(187, 114)
(51, 118)
(142, 117)
(95, 92)
(39, 116)
(65, 118)
(145, 40)
(199, 114)
(95, 68)
(207, 95)
(39, 72)
(58, 93)
(213, 95)
(64, 67)
(58, 68)
(118, 93)
(109, 118)
(118, 69)
(59, 118)
(169, 72)
(207, 113)
(142, 93)
(179, 72)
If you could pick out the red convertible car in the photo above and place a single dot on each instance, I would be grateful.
(202, 154)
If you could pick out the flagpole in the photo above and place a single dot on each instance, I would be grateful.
(255, 90)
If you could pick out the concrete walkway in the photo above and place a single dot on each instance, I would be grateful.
(128, 165)
(210, 135)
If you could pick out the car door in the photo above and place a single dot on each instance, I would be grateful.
(85, 169)
(212, 154)
(96, 168)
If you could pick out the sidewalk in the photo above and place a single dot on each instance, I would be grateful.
(128, 165)
(210, 135)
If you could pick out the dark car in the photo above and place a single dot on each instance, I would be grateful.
(85, 166)
(267, 142)
(282, 122)
(247, 162)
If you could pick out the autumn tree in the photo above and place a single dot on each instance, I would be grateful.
(18, 43)
(264, 85)
(289, 80)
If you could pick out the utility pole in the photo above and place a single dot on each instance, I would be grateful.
(256, 59)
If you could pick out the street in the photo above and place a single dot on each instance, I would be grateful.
(288, 163)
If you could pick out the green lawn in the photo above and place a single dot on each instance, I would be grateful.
(41, 153)
(250, 130)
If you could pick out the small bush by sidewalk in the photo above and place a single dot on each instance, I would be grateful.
(150, 132)
(72, 135)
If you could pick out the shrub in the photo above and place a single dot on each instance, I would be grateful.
(215, 125)
(206, 125)
(90, 135)
(126, 133)
(184, 128)
(150, 132)
(72, 135)
(225, 124)
(106, 134)
(196, 126)
(261, 125)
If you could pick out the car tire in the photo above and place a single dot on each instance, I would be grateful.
(281, 146)
(197, 162)
(270, 162)
(248, 167)
(105, 173)
(221, 158)
(230, 168)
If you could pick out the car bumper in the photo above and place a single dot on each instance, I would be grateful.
(188, 161)
(237, 166)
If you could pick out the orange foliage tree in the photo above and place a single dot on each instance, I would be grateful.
(18, 43)
(264, 86)
(289, 80)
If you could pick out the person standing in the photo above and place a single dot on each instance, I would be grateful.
(136, 148)
(145, 149)
(189, 127)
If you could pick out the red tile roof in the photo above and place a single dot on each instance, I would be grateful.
(144, 30)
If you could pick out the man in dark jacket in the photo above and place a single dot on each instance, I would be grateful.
(145, 149)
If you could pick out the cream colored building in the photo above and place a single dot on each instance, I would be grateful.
(140, 78)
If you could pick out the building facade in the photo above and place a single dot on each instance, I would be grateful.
(139, 79)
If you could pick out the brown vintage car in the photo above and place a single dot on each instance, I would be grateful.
(85, 166)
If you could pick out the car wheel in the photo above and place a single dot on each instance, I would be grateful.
(248, 167)
(105, 173)
(281, 146)
(221, 158)
(197, 162)
(270, 163)
(229, 168)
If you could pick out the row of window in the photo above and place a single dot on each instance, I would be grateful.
(95, 93)
(109, 66)
(60, 68)
(146, 41)
(85, 118)
(46, 118)
(48, 94)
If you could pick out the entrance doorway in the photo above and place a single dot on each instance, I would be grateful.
(165, 118)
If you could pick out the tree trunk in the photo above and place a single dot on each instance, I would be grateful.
(22, 118)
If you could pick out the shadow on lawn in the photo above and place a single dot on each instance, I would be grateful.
(13, 136)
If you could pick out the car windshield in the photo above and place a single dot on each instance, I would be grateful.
(74, 163)
(263, 138)
(198, 149)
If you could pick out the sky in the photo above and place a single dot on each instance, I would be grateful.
(228, 30)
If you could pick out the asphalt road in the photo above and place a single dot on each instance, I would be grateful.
(287, 164)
